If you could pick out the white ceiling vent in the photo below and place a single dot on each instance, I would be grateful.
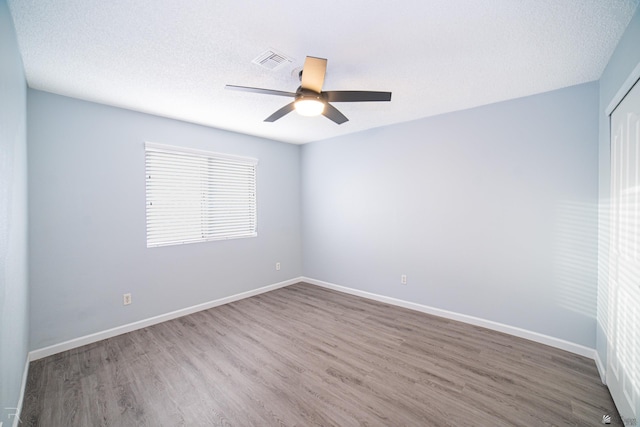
(272, 60)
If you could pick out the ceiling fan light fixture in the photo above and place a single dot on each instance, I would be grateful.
(309, 107)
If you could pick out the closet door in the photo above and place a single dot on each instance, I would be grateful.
(623, 359)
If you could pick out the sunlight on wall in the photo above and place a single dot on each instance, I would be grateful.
(575, 257)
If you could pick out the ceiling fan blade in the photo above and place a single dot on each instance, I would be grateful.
(356, 96)
(333, 114)
(260, 90)
(281, 112)
(313, 73)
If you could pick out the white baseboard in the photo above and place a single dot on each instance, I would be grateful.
(119, 330)
(23, 387)
(489, 324)
(601, 369)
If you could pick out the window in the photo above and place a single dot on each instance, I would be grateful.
(197, 196)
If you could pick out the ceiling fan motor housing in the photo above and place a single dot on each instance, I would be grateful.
(308, 94)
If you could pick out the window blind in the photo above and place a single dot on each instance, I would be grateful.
(197, 196)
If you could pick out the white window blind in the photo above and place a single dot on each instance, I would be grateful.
(197, 196)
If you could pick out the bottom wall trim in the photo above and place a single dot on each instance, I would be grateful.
(23, 387)
(601, 369)
(489, 324)
(119, 330)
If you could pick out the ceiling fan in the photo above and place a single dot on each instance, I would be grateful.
(310, 100)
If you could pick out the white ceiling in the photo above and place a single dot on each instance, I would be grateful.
(173, 58)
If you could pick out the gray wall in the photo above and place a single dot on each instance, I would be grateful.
(623, 61)
(87, 220)
(14, 323)
(490, 212)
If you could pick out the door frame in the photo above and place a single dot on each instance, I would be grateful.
(621, 93)
(632, 80)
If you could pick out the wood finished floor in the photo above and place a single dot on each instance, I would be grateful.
(306, 356)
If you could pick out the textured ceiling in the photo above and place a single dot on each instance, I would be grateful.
(173, 58)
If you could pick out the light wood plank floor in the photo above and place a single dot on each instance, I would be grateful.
(307, 356)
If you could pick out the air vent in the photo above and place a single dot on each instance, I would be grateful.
(272, 60)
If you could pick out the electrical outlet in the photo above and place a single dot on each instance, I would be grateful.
(126, 299)
(278, 266)
(403, 279)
